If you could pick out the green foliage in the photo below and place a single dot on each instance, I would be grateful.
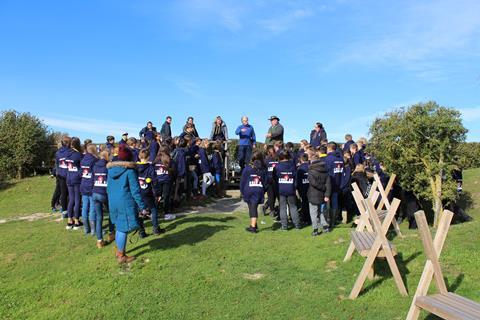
(420, 144)
(469, 155)
(25, 143)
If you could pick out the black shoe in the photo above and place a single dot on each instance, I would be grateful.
(315, 233)
(69, 226)
(284, 228)
(142, 235)
(298, 227)
(326, 230)
(251, 229)
(159, 231)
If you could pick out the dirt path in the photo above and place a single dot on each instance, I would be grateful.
(220, 206)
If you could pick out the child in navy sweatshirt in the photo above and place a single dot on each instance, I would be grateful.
(74, 178)
(334, 162)
(179, 164)
(271, 161)
(163, 182)
(86, 186)
(99, 195)
(252, 187)
(146, 177)
(302, 187)
(284, 176)
(217, 168)
(204, 166)
(61, 172)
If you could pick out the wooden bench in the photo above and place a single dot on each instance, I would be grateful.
(444, 304)
(384, 199)
(373, 244)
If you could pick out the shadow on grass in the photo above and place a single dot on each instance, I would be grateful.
(196, 219)
(382, 269)
(189, 236)
(4, 185)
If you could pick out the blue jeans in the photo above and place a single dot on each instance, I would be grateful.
(244, 155)
(99, 200)
(88, 214)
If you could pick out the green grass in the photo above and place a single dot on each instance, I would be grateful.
(27, 196)
(199, 269)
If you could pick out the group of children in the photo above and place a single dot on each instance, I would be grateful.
(315, 179)
(168, 170)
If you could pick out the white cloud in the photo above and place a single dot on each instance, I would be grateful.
(470, 114)
(188, 87)
(285, 21)
(92, 125)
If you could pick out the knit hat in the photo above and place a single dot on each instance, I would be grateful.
(125, 153)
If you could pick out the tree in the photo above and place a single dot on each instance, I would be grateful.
(25, 143)
(420, 144)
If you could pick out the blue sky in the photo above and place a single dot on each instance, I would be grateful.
(93, 68)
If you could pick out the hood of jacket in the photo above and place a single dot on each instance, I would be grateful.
(318, 166)
(117, 168)
(142, 166)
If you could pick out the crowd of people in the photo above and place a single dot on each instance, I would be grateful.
(141, 178)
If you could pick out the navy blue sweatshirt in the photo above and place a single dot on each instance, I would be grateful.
(61, 165)
(345, 185)
(217, 163)
(252, 183)
(203, 162)
(358, 158)
(270, 164)
(180, 162)
(284, 175)
(86, 165)
(346, 146)
(100, 177)
(74, 175)
(110, 147)
(246, 135)
(334, 163)
(153, 150)
(146, 177)
(161, 172)
(302, 179)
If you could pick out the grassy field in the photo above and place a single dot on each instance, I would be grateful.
(207, 266)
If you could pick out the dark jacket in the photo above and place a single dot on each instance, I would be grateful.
(124, 196)
(203, 162)
(222, 132)
(100, 177)
(320, 185)
(317, 137)
(334, 162)
(284, 176)
(153, 150)
(252, 183)
(74, 174)
(162, 173)
(360, 178)
(86, 165)
(270, 164)
(345, 185)
(61, 165)
(146, 177)
(346, 145)
(180, 162)
(277, 134)
(302, 179)
(217, 162)
(148, 134)
(194, 133)
(166, 131)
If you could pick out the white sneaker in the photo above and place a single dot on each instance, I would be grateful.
(169, 217)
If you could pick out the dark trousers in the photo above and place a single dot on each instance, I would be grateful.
(74, 197)
(272, 194)
(63, 192)
(305, 209)
(56, 194)
(163, 190)
(244, 155)
(253, 210)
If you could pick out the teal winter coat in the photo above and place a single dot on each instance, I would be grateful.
(124, 199)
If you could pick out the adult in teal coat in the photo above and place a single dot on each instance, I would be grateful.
(124, 199)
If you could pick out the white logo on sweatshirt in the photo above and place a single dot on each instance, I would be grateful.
(285, 178)
(255, 181)
(100, 180)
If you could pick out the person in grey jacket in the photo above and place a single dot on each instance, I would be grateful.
(275, 132)
(219, 130)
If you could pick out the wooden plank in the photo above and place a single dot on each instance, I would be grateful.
(442, 310)
(453, 303)
(427, 274)
(473, 304)
(431, 253)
